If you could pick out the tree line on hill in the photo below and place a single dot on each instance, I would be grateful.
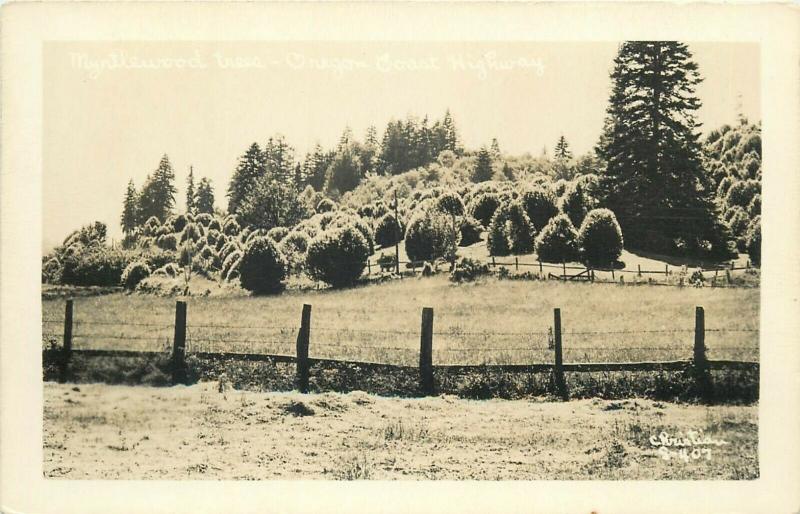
(651, 177)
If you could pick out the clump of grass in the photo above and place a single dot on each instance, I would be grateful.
(354, 467)
(396, 430)
(299, 409)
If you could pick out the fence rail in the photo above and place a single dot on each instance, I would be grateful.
(585, 273)
(699, 364)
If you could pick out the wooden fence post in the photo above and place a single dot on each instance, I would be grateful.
(426, 352)
(493, 263)
(369, 268)
(540, 266)
(613, 278)
(700, 363)
(564, 268)
(666, 269)
(179, 344)
(303, 339)
(558, 369)
(639, 266)
(516, 263)
(66, 350)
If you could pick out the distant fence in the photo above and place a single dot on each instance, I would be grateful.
(698, 363)
(718, 276)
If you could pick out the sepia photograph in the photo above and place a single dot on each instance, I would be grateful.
(485, 261)
(439, 257)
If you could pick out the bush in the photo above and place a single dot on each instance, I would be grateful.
(574, 204)
(754, 241)
(212, 236)
(168, 270)
(724, 185)
(167, 242)
(177, 223)
(93, 266)
(467, 270)
(450, 203)
(429, 236)
(135, 273)
(388, 231)
(338, 256)
(600, 238)
(215, 225)
(191, 232)
(511, 231)
(325, 205)
(294, 247)
(483, 206)
(204, 219)
(262, 268)
(344, 220)
(558, 241)
(231, 262)
(151, 226)
(739, 221)
(277, 233)
(741, 193)
(470, 231)
(540, 205)
(231, 227)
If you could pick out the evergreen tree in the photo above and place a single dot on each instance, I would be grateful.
(271, 203)
(158, 193)
(130, 207)
(204, 202)
(562, 151)
(653, 180)
(251, 167)
(449, 134)
(190, 192)
(483, 168)
(496, 154)
(279, 159)
(344, 173)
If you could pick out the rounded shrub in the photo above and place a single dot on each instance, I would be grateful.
(482, 207)
(277, 233)
(470, 231)
(168, 270)
(450, 203)
(343, 220)
(134, 273)
(741, 193)
(215, 225)
(337, 256)
(192, 232)
(294, 247)
(262, 268)
(724, 185)
(574, 204)
(232, 259)
(739, 221)
(167, 242)
(231, 227)
(512, 223)
(600, 238)
(388, 231)
(540, 205)
(325, 205)
(204, 219)
(151, 226)
(429, 236)
(558, 241)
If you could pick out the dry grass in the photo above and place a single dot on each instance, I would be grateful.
(490, 321)
(180, 431)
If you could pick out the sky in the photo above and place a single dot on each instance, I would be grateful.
(111, 110)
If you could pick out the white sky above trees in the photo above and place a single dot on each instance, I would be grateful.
(204, 104)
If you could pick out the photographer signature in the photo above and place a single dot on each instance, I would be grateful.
(694, 445)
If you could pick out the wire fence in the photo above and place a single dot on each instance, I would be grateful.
(454, 345)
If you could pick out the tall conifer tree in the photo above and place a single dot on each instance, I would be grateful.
(654, 180)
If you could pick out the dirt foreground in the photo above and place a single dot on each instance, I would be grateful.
(120, 432)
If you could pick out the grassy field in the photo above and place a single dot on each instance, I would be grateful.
(489, 321)
(198, 433)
